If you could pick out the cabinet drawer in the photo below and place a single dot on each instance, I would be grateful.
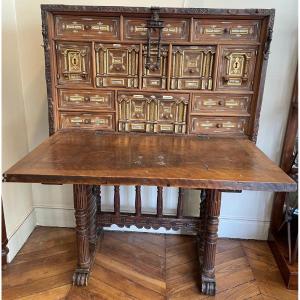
(154, 83)
(192, 67)
(174, 30)
(240, 30)
(73, 63)
(147, 112)
(132, 82)
(206, 103)
(102, 100)
(219, 125)
(104, 28)
(95, 121)
(236, 67)
(117, 65)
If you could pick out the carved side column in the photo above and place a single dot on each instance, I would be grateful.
(213, 205)
(81, 205)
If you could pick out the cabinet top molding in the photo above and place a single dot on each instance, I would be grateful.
(253, 12)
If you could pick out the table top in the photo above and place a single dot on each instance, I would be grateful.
(86, 157)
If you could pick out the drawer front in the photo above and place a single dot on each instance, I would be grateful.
(73, 63)
(116, 64)
(154, 83)
(154, 113)
(174, 30)
(220, 103)
(94, 121)
(240, 30)
(236, 68)
(192, 67)
(117, 82)
(104, 28)
(101, 100)
(219, 125)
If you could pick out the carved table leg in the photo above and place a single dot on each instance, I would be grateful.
(92, 209)
(85, 206)
(202, 226)
(212, 208)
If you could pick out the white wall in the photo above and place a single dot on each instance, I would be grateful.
(243, 215)
(17, 198)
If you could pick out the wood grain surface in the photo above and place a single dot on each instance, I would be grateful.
(90, 158)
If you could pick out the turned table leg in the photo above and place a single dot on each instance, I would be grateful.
(210, 236)
(81, 205)
(85, 204)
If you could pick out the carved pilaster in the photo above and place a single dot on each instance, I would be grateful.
(213, 205)
(268, 43)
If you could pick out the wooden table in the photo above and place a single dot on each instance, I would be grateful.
(87, 159)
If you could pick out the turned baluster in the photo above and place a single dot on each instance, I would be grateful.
(138, 200)
(159, 201)
(117, 200)
(97, 193)
(180, 203)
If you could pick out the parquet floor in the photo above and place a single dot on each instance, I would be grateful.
(140, 266)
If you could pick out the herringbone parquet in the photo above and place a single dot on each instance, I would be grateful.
(140, 266)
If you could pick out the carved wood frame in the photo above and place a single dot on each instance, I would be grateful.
(266, 14)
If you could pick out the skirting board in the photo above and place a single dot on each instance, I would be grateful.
(229, 227)
(20, 236)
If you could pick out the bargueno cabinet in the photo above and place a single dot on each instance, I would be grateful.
(206, 71)
(137, 81)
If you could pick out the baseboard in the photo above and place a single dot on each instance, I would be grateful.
(20, 236)
(229, 227)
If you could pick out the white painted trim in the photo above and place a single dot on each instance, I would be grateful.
(21, 234)
(58, 217)
(229, 227)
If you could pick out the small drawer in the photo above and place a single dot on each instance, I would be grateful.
(219, 125)
(74, 63)
(240, 30)
(174, 30)
(207, 103)
(100, 100)
(192, 83)
(104, 28)
(154, 83)
(94, 121)
(122, 82)
(237, 66)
